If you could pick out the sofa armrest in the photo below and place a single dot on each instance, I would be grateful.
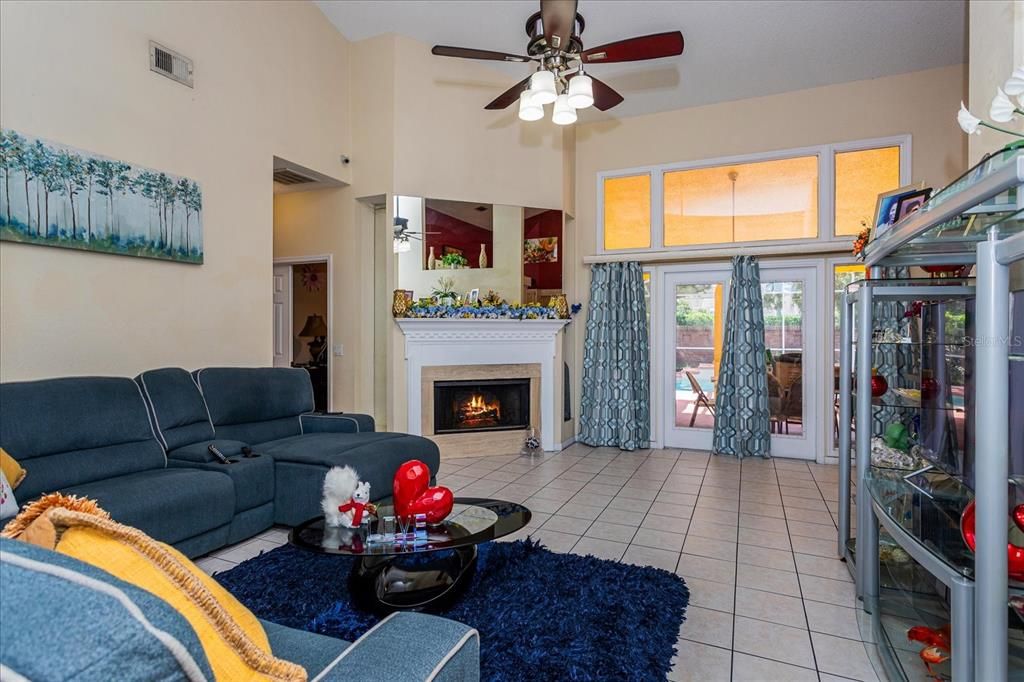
(337, 422)
(199, 453)
(441, 650)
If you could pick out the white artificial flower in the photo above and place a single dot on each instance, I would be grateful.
(968, 122)
(1014, 85)
(1001, 110)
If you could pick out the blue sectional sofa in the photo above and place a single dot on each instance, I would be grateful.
(132, 636)
(141, 449)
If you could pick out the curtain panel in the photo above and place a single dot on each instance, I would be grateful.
(615, 401)
(741, 402)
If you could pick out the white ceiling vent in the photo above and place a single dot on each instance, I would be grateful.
(169, 63)
(287, 176)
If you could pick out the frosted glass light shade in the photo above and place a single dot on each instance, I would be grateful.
(581, 92)
(529, 110)
(564, 114)
(542, 88)
(402, 246)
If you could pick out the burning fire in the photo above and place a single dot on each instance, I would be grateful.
(477, 411)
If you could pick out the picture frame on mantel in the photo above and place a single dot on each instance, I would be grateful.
(75, 199)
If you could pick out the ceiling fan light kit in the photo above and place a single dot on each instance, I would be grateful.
(556, 45)
(542, 88)
(581, 91)
(563, 114)
(529, 110)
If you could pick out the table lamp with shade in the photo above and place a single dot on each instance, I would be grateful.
(316, 329)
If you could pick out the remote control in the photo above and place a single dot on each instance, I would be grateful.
(218, 454)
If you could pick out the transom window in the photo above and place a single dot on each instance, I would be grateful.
(817, 193)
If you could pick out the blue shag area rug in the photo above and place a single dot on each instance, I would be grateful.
(540, 614)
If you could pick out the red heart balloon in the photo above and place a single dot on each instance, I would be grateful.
(413, 494)
(436, 503)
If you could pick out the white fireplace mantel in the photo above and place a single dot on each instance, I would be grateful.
(431, 342)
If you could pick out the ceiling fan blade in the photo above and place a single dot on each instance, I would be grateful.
(471, 53)
(604, 96)
(509, 96)
(558, 18)
(636, 49)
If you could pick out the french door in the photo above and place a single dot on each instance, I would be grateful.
(693, 309)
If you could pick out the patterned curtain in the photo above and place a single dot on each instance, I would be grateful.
(741, 403)
(615, 400)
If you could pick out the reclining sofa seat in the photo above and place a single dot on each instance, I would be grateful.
(92, 437)
(183, 427)
(270, 409)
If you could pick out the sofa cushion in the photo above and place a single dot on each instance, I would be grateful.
(68, 620)
(179, 412)
(170, 505)
(232, 637)
(256, 404)
(312, 651)
(375, 455)
(72, 431)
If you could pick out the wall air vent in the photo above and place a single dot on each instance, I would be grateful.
(169, 63)
(286, 176)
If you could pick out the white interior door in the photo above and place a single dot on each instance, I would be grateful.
(282, 315)
(693, 311)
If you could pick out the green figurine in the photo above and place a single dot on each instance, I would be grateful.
(897, 437)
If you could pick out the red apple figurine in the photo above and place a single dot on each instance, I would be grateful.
(413, 494)
(1014, 553)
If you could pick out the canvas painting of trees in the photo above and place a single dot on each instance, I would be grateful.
(55, 195)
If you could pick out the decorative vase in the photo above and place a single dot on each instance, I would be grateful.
(878, 384)
(431, 260)
(483, 255)
(1014, 552)
(560, 305)
(400, 304)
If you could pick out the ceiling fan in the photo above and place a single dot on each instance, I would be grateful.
(402, 233)
(557, 48)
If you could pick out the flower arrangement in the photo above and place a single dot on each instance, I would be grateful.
(1002, 109)
(505, 311)
(862, 240)
(454, 260)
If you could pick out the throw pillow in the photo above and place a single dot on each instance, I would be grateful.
(8, 505)
(233, 639)
(11, 469)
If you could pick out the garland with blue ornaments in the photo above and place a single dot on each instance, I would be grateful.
(505, 311)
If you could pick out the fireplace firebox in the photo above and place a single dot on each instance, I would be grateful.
(481, 405)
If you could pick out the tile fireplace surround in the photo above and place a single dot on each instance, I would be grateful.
(452, 349)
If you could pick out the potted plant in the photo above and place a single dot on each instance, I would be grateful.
(444, 292)
(454, 261)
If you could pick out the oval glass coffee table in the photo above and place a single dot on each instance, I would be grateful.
(424, 573)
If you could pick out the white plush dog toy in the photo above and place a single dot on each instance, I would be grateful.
(346, 499)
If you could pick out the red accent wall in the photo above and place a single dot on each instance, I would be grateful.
(459, 234)
(546, 224)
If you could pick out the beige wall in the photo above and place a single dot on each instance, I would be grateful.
(78, 73)
(923, 104)
(996, 44)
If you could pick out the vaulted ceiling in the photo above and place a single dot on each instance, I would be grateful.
(734, 49)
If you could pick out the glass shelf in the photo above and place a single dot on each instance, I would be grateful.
(896, 402)
(932, 519)
(958, 216)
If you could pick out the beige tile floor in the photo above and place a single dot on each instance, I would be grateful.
(754, 541)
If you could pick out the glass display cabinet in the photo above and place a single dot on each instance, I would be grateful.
(931, 478)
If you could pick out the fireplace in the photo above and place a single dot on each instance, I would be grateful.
(481, 405)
